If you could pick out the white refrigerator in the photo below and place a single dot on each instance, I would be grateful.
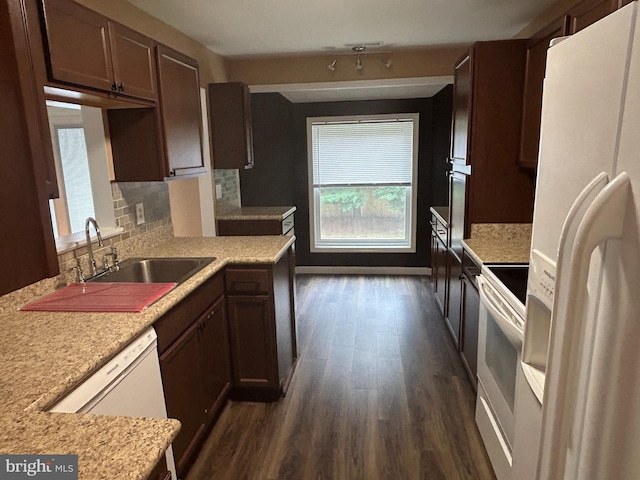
(577, 411)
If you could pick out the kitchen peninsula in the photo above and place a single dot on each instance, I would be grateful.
(45, 355)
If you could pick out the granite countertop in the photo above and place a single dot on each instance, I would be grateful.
(499, 242)
(442, 213)
(254, 213)
(43, 355)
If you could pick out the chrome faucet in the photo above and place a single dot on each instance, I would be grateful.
(92, 260)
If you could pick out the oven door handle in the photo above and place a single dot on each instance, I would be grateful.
(487, 296)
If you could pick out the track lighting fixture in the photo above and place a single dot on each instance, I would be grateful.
(360, 51)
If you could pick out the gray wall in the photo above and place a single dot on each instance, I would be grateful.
(280, 173)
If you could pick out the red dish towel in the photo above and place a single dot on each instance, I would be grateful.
(101, 297)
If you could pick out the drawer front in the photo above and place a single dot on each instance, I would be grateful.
(287, 224)
(470, 268)
(178, 319)
(247, 280)
(440, 230)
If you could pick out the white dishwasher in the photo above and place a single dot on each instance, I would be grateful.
(129, 385)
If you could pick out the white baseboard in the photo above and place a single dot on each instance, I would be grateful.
(330, 270)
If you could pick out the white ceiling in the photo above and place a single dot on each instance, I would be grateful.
(276, 27)
(250, 28)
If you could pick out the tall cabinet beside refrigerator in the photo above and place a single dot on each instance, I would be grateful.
(577, 413)
(485, 183)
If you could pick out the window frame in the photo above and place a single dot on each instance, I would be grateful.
(364, 246)
(100, 177)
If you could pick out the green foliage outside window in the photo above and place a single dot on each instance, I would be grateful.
(394, 196)
(349, 199)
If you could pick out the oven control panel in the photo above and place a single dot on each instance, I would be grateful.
(542, 278)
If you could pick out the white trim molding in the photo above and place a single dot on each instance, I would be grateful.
(346, 270)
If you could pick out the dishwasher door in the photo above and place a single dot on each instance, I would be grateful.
(129, 385)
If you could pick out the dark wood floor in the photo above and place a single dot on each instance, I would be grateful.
(379, 393)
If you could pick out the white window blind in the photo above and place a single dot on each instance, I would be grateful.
(362, 179)
(363, 152)
(75, 171)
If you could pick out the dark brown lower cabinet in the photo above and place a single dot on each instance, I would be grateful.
(454, 289)
(253, 341)
(439, 271)
(470, 320)
(262, 329)
(160, 472)
(215, 359)
(274, 226)
(196, 377)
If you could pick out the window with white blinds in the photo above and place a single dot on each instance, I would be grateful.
(362, 173)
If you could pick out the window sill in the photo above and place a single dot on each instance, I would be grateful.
(78, 239)
(362, 249)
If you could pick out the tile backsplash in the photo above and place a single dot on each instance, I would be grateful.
(229, 180)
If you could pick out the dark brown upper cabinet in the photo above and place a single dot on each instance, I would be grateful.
(537, 48)
(27, 246)
(87, 50)
(231, 127)
(134, 66)
(590, 11)
(153, 144)
(461, 109)
(180, 110)
(576, 19)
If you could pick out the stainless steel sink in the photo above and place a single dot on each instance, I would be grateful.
(155, 270)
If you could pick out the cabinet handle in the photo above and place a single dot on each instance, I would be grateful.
(121, 87)
(172, 173)
(114, 86)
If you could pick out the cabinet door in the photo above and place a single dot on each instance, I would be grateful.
(134, 66)
(179, 87)
(182, 391)
(532, 101)
(26, 240)
(78, 45)
(231, 127)
(589, 12)
(215, 359)
(441, 276)
(435, 265)
(252, 332)
(470, 321)
(248, 127)
(454, 320)
(461, 110)
(458, 223)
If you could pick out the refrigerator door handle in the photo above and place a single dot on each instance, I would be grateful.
(603, 220)
(536, 330)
